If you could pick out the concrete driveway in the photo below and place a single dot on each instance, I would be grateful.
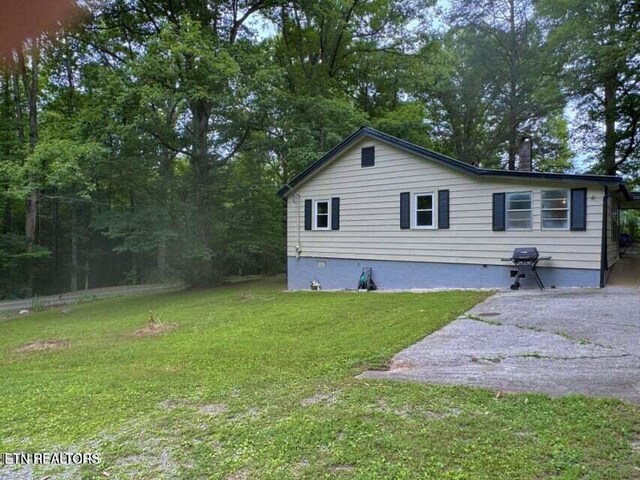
(557, 342)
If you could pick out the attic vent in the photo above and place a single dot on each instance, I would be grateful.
(368, 156)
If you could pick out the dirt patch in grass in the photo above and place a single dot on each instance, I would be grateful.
(401, 366)
(339, 469)
(42, 345)
(170, 404)
(381, 365)
(325, 398)
(248, 414)
(209, 409)
(239, 475)
(215, 409)
(153, 329)
(247, 297)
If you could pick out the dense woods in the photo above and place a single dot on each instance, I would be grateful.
(146, 142)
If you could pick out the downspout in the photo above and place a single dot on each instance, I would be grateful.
(603, 249)
(298, 248)
(296, 197)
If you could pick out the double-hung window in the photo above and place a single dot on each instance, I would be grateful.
(424, 211)
(518, 211)
(555, 209)
(321, 215)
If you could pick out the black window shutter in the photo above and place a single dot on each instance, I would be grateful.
(335, 213)
(368, 158)
(578, 209)
(405, 211)
(443, 208)
(308, 212)
(498, 212)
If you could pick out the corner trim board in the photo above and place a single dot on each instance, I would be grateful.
(603, 250)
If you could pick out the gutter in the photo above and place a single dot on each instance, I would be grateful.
(297, 199)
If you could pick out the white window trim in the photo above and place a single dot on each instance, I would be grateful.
(315, 214)
(506, 212)
(568, 209)
(414, 214)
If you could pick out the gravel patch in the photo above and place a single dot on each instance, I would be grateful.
(24, 472)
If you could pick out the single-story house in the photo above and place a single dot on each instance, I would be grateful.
(421, 220)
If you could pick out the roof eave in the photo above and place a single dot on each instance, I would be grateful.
(444, 160)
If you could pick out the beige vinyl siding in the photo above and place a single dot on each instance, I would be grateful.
(370, 214)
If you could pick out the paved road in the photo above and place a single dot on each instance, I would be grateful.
(8, 306)
(557, 342)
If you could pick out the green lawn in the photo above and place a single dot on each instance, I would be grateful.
(259, 383)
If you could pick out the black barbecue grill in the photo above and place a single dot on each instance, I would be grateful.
(525, 259)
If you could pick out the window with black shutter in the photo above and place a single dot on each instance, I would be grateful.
(443, 209)
(498, 212)
(578, 209)
(335, 213)
(405, 210)
(308, 214)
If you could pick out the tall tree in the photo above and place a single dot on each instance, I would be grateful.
(598, 44)
(194, 54)
(512, 46)
(340, 66)
(457, 89)
(31, 82)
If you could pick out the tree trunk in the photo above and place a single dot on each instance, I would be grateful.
(56, 235)
(164, 201)
(609, 151)
(513, 146)
(31, 220)
(203, 270)
(134, 268)
(134, 256)
(6, 150)
(30, 83)
(6, 216)
(513, 88)
(161, 259)
(17, 100)
(74, 248)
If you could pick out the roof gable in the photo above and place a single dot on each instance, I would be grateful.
(441, 159)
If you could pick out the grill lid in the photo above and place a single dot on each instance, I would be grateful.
(523, 254)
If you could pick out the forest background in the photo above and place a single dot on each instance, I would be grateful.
(144, 141)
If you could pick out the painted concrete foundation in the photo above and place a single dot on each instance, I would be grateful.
(343, 274)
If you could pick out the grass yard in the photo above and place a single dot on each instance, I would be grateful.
(253, 382)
